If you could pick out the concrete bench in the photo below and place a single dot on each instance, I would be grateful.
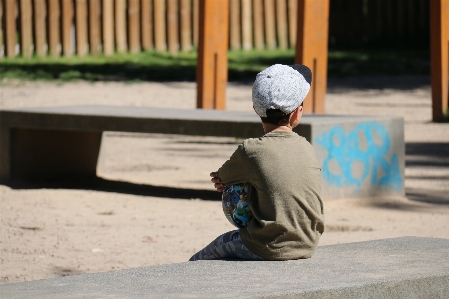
(407, 267)
(360, 156)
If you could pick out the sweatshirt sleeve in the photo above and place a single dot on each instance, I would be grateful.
(236, 169)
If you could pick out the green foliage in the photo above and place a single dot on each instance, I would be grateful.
(446, 115)
(243, 65)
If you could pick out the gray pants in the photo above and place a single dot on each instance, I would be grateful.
(228, 245)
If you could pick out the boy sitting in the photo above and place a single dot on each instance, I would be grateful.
(281, 166)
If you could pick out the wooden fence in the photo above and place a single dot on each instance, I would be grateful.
(68, 27)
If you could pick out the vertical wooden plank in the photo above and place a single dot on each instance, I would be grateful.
(25, 28)
(134, 25)
(173, 25)
(311, 49)
(186, 25)
(67, 23)
(39, 27)
(81, 27)
(147, 24)
(120, 25)
(247, 28)
(1, 28)
(270, 24)
(53, 27)
(94, 27)
(234, 17)
(196, 18)
(439, 56)
(281, 23)
(259, 40)
(212, 66)
(292, 22)
(159, 25)
(108, 27)
(10, 27)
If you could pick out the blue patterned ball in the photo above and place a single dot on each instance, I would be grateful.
(235, 205)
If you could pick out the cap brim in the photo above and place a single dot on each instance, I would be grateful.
(304, 71)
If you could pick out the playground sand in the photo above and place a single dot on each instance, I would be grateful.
(54, 231)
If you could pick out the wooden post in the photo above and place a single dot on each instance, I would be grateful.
(212, 66)
(146, 18)
(196, 18)
(25, 28)
(120, 25)
(234, 30)
(94, 27)
(439, 38)
(67, 22)
(9, 15)
(53, 27)
(259, 41)
(172, 26)
(108, 27)
(81, 27)
(247, 25)
(292, 22)
(186, 25)
(311, 49)
(270, 23)
(134, 26)
(159, 25)
(281, 24)
(39, 27)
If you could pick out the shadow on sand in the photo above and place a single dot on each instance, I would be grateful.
(104, 185)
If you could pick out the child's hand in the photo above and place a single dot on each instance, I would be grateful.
(217, 182)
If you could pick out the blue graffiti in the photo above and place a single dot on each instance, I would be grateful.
(345, 150)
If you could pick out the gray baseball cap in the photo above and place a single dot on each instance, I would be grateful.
(280, 89)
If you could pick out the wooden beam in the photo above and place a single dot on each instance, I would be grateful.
(212, 66)
(311, 49)
(439, 49)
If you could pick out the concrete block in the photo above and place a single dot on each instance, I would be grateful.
(360, 156)
(401, 268)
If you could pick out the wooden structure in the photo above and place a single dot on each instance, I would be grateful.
(212, 66)
(439, 23)
(311, 49)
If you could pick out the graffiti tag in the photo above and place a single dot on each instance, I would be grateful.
(348, 151)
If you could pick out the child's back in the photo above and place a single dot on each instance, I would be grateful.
(288, 219)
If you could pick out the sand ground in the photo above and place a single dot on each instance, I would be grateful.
(150, 206)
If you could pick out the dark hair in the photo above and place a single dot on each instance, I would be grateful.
(277, 117)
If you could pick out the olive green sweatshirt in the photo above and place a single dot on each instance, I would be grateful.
(285, 195)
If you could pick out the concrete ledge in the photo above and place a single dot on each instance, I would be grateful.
(407, 267)
(359, 155)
